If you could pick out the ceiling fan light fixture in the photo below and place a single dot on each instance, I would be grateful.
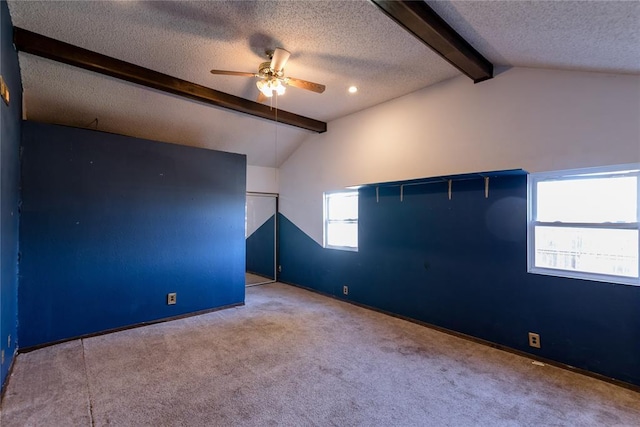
(267, 87)
(264, 88)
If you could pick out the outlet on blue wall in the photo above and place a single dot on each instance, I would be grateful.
(461, 264)
(112, 224)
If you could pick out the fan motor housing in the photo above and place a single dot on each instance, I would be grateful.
(265, 70)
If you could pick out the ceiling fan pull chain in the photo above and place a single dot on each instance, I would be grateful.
(276, 142)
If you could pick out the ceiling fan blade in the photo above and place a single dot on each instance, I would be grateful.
(233, 73)
(279, 59)
(261, 97)
(303, 84)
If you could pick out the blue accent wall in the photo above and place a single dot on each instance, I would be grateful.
(261, 250)
(9, 191)
(461, 264)
(111, 224)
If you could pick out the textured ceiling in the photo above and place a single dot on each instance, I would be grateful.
(335, 43)
(601, 36)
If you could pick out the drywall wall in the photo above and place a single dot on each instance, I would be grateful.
(262, 180)
(9, 193)
(461, 264)
(532, 119)
(111, 224)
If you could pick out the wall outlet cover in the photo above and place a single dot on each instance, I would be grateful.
(534, 340)
(171, 298)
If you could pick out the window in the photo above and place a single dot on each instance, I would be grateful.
(584, 224)
(341, 220)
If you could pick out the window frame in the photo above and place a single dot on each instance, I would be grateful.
(632, 169)
(326, 220)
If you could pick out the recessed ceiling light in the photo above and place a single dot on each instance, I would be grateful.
(353, 89)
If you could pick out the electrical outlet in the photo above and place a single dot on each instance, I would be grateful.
(171, 298)
(279, 269)
(534, 340)
(345, 290)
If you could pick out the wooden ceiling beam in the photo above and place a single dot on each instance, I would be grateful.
(419, 19)
(36, 44)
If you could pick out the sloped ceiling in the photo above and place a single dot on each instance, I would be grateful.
(599, 36)
(336, 43)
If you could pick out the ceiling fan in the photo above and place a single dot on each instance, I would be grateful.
(271, 76)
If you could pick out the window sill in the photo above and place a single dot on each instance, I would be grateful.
(618, 280)
(342, 248)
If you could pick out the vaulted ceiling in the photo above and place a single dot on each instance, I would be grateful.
(335, 43)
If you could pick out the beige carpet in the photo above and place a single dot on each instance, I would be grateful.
(251, 279)
(291, 357)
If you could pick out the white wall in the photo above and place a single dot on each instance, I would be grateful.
(259, 210)
(533, 119)
(262, 180)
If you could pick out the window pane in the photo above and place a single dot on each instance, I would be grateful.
(600, 251)
(342, 206)
(342, 234)
(595, 200)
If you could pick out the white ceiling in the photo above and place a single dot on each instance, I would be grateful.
(336, 43)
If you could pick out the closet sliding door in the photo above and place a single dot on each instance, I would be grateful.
(260, 237)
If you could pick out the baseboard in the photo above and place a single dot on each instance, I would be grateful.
(3, 386)
(477, 340)
(124, 328)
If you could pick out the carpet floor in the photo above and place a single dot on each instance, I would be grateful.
(251, 279)
(292, 357)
